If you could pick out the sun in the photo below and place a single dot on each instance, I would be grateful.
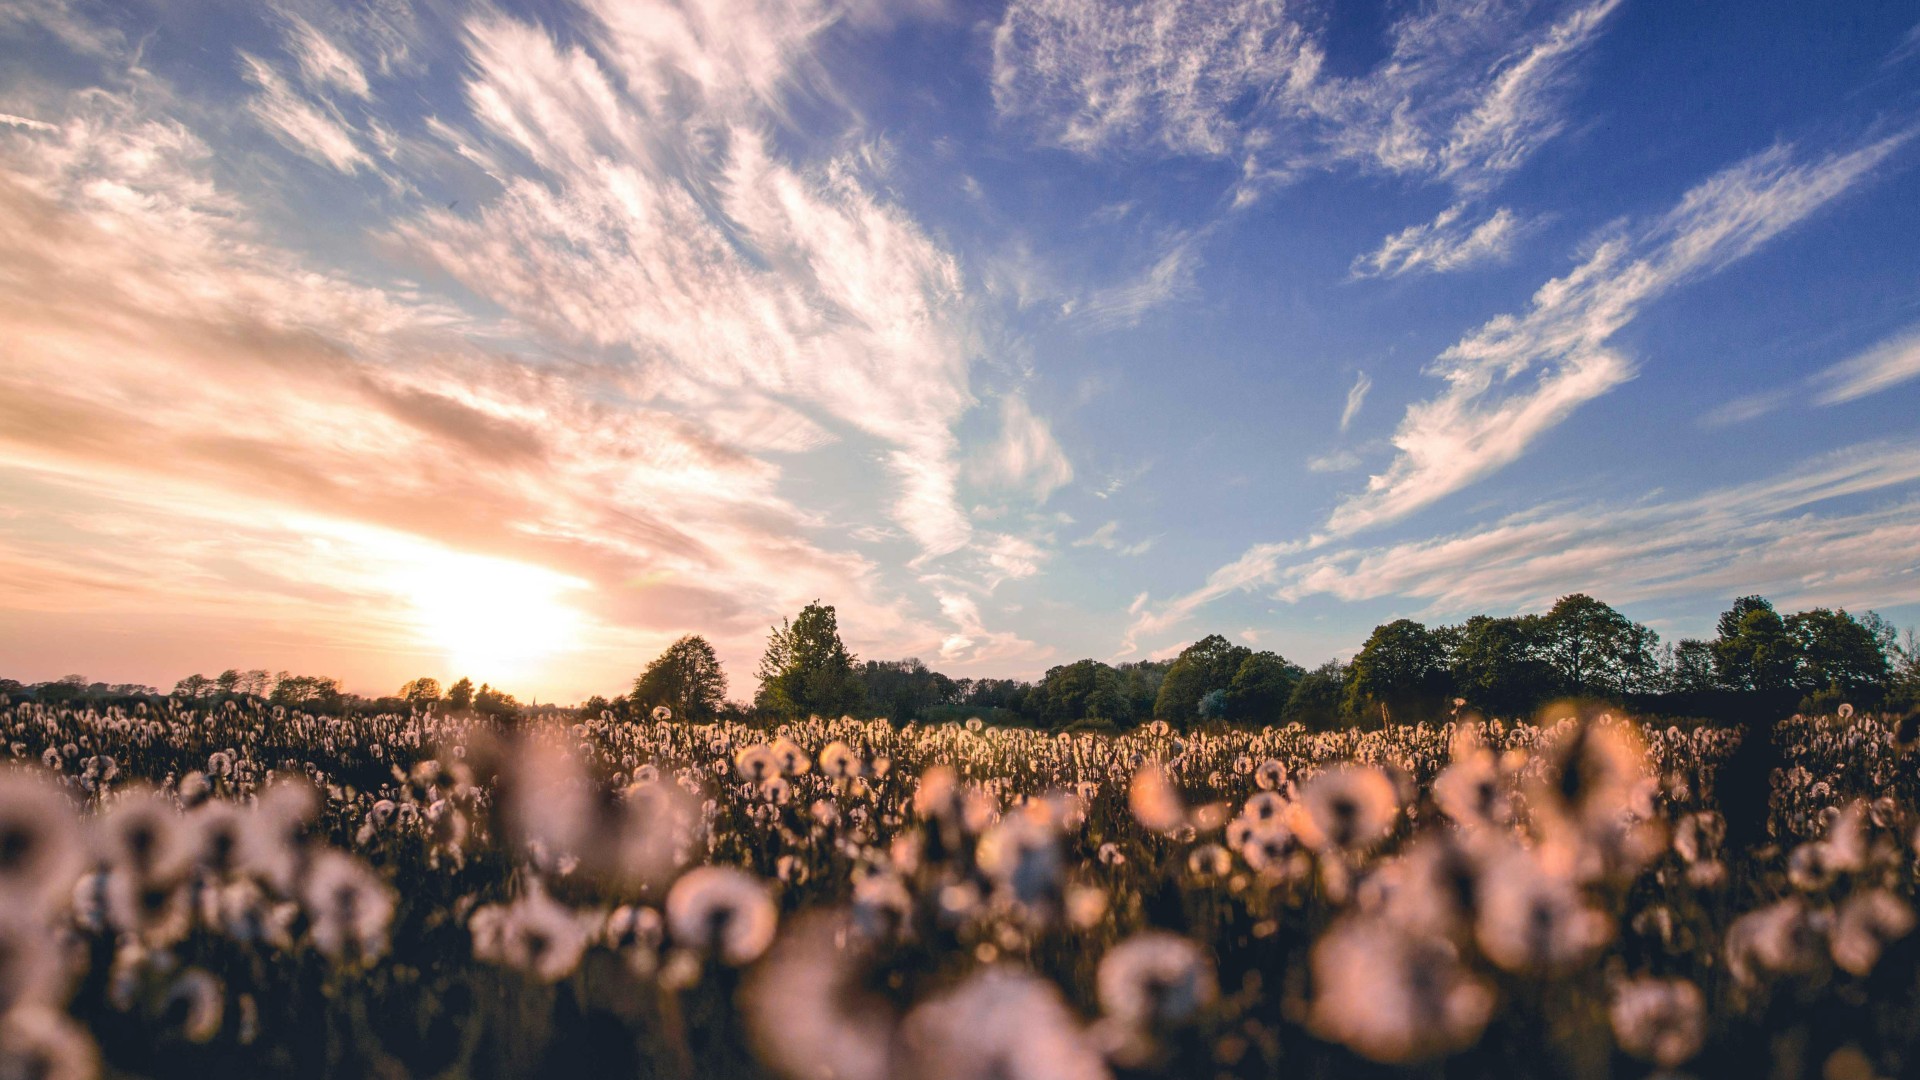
(493, 619)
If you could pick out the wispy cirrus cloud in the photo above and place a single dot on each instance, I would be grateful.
(670, 301)
(1462, 97)
(1479, 425)
(1451, 241)
(1791, 536)
(669, 227)
(1519, 376)
(224, 373)
(306, 128)
(1356, 397)
(1466, 95)
(324, 64)
(1119, 306)
(1786, 535)
(1882, 366)
(1107, 538)
(1885, 365)
(1026, 456)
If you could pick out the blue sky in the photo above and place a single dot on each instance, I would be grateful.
(385, 339)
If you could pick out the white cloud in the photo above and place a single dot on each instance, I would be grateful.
(1106, 537)
(1473, 429)
(1123, 305)
(298, 124)
(1448, 242)
(1514, 113)
(224, 372)
(1785, 536)
(1462, 97)
(1470, 430)
(1026, 456)
(1742, 409)
(1887, 364)
(1090, 73)
(1256, 566)
(1333, 461)
(666, 224)
(1881, 367)
(1356, 396)
(323, 64)
(973, 643)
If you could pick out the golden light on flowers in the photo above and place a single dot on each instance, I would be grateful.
(903, 897)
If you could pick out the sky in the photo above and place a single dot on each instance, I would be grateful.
(383, 339)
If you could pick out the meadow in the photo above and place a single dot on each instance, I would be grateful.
(250, 891)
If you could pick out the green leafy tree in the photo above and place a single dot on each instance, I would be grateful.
(460, 695)
(686, 678)
(903, 690)
(1495, 663)
(1082, 690)
(1201, 668)
(1259, 690)
(1401, 669)
(1689, 667)
(1140, 682)
(421, 691)
(806, 669)
(1318, 699)
(1597, 650)
(1839, 656)
(1753, 651)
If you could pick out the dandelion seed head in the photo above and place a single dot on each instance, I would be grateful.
(1662, 1021)
(721, 910)
(1155, 979)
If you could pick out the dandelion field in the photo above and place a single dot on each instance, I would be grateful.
(251, 891)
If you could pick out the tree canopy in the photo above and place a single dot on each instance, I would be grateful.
(806, 669)
(1206, 666)
(686, 678)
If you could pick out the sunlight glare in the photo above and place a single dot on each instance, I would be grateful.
(493, 619)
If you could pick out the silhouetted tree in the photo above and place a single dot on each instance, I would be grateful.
(1595, 649)
(318, 691)
(194, 687)
(1837, 656)
(421, 691)
(686, 678)
(497, 704)
(1754, 650)
(1689, 667)
(460, 695)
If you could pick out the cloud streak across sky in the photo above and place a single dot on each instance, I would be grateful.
(1519, 376)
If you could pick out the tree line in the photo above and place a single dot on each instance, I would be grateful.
(1759, 660)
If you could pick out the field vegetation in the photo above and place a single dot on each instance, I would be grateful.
(245, 879)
